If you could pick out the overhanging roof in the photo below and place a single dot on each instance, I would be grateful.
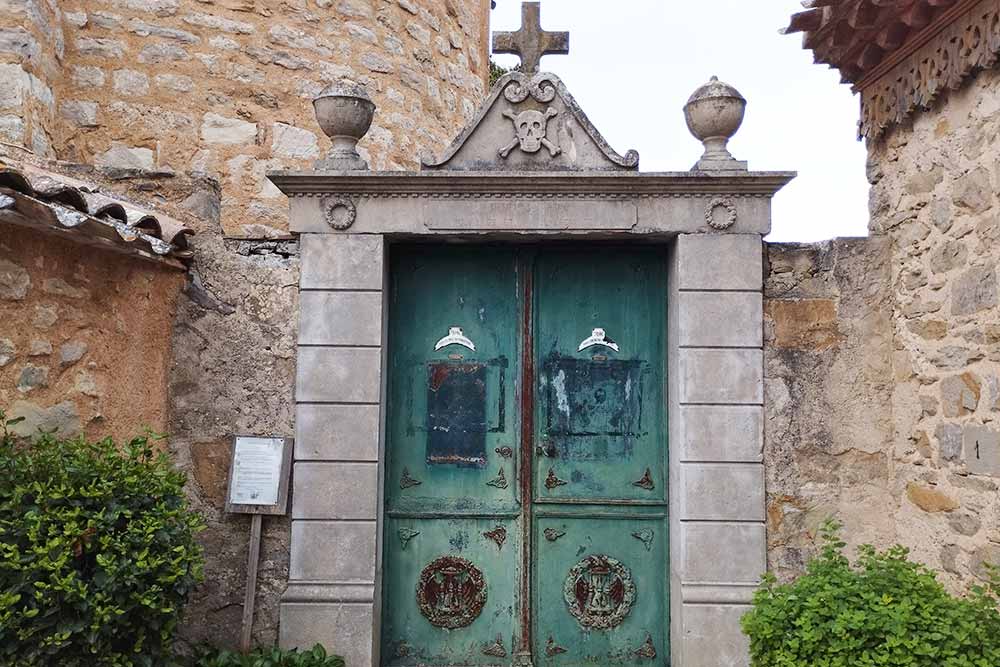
(55, 204)
(865, 38)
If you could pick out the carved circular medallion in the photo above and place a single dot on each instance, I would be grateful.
(599, 592)
(339, 212)
(451, 592)
(720, 219)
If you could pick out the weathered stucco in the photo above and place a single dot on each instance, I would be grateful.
(828, 387)
(84, 337)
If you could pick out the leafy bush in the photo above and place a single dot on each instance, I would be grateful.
(498, 72)
(97, 553)
(884, 610)
(316, 657)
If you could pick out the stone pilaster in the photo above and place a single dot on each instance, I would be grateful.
(335, 493)
(718, 547)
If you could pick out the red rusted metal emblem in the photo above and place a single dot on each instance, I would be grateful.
(599, 592)
(498, 535)
(451, 592)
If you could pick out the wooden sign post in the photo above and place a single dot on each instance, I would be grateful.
(258, 485)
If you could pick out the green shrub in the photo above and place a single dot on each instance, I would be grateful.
(316, 657)
(884, 610)
(498, 72)
(97, 553)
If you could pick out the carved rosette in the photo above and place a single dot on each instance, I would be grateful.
(720, 213)
(339, 212)
(599, 592)
(451, 592)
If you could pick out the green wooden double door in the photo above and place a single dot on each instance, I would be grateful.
(526, 458)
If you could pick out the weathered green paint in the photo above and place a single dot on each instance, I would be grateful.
(452, 484)
(638, 541)
(432, 290)
(601, 422)
(601, 413)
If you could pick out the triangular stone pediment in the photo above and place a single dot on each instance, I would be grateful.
(531, 123)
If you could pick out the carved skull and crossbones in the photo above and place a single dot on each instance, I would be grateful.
(530, 128)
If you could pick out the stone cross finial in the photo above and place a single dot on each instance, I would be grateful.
(530, 42)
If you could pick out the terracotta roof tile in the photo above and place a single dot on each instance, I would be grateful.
(855, 36)
(34, 197)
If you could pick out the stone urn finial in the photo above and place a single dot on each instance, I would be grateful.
(344, 112)
(714, 113)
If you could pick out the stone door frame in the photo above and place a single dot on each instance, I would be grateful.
(713, 225)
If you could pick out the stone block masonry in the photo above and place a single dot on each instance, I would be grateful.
(716, 434)
(224, 89)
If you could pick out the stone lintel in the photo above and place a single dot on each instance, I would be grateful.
(496, 217)
(526, 183)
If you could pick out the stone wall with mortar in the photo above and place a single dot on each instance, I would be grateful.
(883, 355)
(182, 106)
(224, 88)
(934, 197)
(32, 47)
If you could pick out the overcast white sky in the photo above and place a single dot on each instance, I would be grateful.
(633, 64)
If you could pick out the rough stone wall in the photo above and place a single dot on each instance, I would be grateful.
(84, 344)
(934, 185)
(114, 345)
(883, 355)
(182, 106)
(32, 47)
(828, 389)
(224, 88)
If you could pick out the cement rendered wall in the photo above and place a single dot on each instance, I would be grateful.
(182, 105)
(883, 355)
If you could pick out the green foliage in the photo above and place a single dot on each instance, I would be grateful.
(497, 72)
(883, 611)
(315, 657)
(97, 553)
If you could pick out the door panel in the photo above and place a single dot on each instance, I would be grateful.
(601, 597)
(452, 537)
(601, 411)
(458, 543)
(600, 530)
(452, 422)
(451, 588)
